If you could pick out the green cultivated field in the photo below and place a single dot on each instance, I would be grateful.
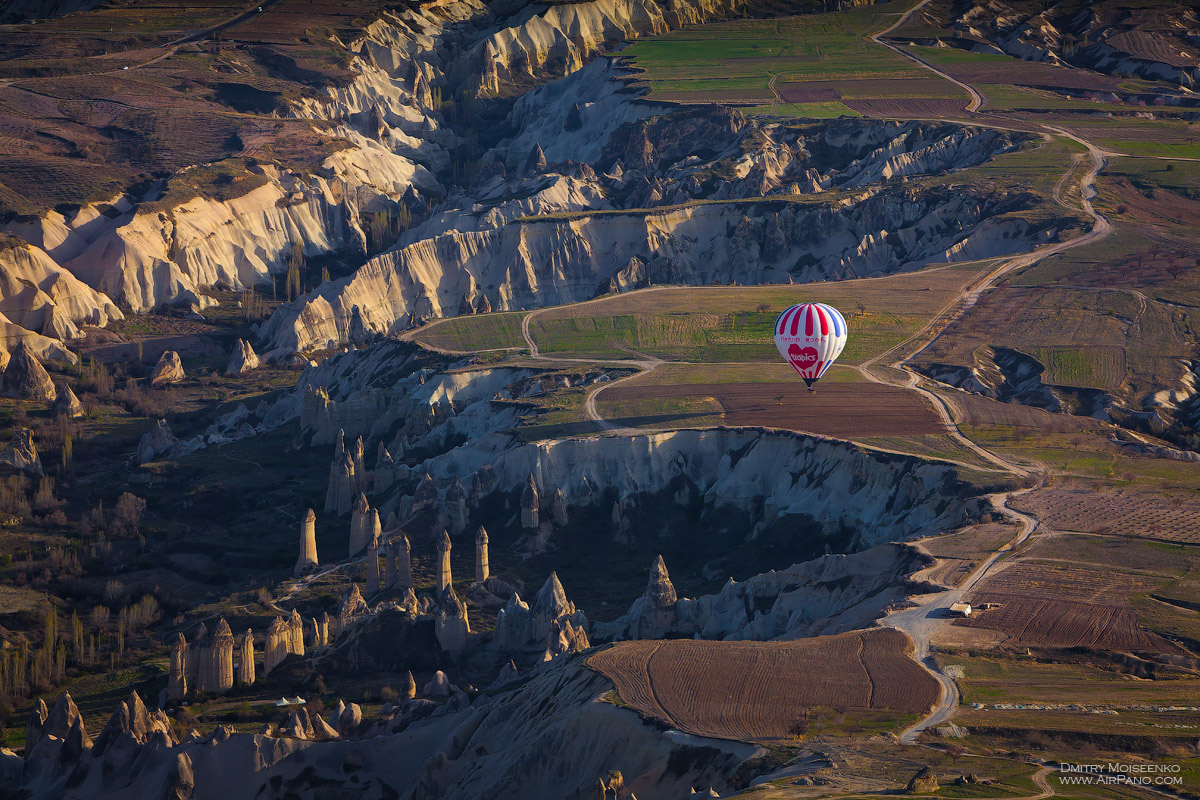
(734, 324)
(1181, 177)
(1095, 367)
(1017, 679)
(737, 61)
(681, 335)
(476, 333)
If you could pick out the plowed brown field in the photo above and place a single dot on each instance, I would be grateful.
(870, 90)
(758, 691)
(909, 107)
(1061, 604)
(844, 410)
(1126, 512)
(1025, 73)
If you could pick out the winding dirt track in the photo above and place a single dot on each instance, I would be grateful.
(976, 102)
(921, 622)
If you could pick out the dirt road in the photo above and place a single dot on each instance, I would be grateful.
(923, 621)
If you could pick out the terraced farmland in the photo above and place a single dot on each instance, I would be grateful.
(763, 691)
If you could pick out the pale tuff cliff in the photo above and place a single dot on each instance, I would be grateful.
(830, 594)
(146, 256)
(767, 476)
(534, 263)
(43, 304)
(403, 399)
(142, 255)
(40, 296)
(559, 40)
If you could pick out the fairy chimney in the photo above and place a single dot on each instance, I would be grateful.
(24, 377)
(335, 463)
(551, 605)
(66, 404)
(400, 563)
(360, 466)
(444, 577)
(658, 613)
(241, 359)
(295, 633)
(352, 606)
(374, 530)
(359, 525)
(451, 625)
(481, 555)
(340, 494)
(177, 687)
(385, 470)
(530, 501)
(221, 653)
(512, 624)
(308, 544)
(426, 494)
(199, 662)
(373, 585)
(245, 673)
(275, 649)
(169, 369)
(322, 629)
(558, 508)
(456, 507)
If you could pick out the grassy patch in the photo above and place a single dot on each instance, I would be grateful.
(930, 445)
(475, 333)
(1097, 367)
(663, 412)
(1006, 678)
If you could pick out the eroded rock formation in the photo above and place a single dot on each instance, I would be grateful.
(25, 378)
(66, 404)
(361, 523)
(829, 594)
(169, 369)
(242, 359)
(511, 727)
(445, 579)
(20, 455)
(451, 624)
(774, 476)
(530, 504)
(481, 556)
(307, 559)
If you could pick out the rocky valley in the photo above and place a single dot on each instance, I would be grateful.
(391, 408)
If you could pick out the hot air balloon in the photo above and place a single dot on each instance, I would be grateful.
(810, 337)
